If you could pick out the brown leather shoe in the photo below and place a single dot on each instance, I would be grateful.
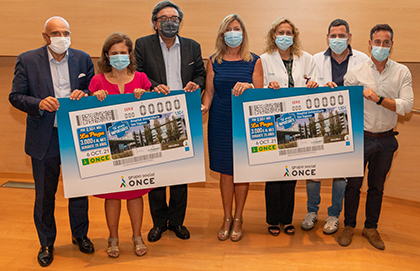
(373, 237)
(345, 237)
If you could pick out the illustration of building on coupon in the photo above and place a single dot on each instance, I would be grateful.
(298, 127)
(125, 136)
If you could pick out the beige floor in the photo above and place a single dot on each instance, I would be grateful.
(399, 226)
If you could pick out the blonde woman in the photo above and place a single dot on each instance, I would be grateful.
(285, 65)
(231, 70)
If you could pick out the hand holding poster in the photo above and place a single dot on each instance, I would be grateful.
(126, 144)
(298, 133)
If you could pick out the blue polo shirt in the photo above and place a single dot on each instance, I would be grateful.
(339, 70)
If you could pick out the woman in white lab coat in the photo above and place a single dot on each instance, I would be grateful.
(285, 65)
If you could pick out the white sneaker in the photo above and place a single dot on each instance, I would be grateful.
(331, 225)
(309, 221)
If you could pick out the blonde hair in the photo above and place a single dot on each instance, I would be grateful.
(270, 42)
(220, 41)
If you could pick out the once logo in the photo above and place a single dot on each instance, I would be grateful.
(123, 184)
(304, 172)
(287, 172)
(141, 182)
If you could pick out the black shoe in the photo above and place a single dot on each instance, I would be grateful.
(45, 256)
(180, 231)
(85, 245)
(155, 233)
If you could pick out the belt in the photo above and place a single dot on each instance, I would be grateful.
(381, 135)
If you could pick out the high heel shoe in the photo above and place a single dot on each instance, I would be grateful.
(113, 250)
(236, 236)
(140, 248)
(223, 235)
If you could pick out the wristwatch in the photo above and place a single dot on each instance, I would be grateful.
(381, 98)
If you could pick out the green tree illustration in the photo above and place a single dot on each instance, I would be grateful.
(169, 130)
(312, 127)
(141, 138)
(158, 130)
(321, 122)
(177, 133)
(332, 123)
(148, 134)
(135, 139)
(339, 128)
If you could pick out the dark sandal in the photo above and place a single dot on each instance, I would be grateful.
(289, 229)
(274, 230)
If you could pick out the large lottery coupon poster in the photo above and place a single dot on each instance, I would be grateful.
(298, 133)
(126, 144)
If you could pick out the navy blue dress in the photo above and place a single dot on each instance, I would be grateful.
(226, 75)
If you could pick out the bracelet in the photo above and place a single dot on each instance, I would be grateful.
(252, 85)
(380, 100)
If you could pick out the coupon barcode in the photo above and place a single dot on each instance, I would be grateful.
(268, 108)
(137, 159)
(96, 117)
(296, 151)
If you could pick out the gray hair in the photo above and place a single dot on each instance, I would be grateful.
(164, 4)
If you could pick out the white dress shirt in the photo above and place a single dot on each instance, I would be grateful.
(274, 69)
(172, 59)
(60, 77)
(394, 83)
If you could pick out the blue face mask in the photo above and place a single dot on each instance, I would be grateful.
(233, 38)
(119, 62)
(284, 42)
(380, 53)
(338, 45)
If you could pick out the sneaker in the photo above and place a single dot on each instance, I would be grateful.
(345, 237)
(309, 221)
(331, 225)
(374, 238)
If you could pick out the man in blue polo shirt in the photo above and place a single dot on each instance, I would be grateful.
(331, 66)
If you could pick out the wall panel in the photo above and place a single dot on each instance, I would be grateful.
(92, 21)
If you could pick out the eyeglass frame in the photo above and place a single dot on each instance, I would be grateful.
(174, 19)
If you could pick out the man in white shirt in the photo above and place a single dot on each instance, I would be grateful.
(171, 62)
(388, 93)
(331, 66)
(41, 76)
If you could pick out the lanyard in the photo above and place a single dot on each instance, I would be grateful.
(289, 72)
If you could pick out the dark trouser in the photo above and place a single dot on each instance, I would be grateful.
(378, 154)
(280, 202)
(46, 173)
(175, 212)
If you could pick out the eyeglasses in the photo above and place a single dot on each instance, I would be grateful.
(174, 19)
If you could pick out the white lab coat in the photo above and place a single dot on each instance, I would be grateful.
(323, 65)
(274, 69)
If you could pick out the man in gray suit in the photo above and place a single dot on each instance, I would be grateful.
(41, 76)
(170, 62)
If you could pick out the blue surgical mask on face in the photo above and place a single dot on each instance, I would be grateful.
(380, 53)
(284, 42)
(233, 38)
(338, 45)
(119, 62)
